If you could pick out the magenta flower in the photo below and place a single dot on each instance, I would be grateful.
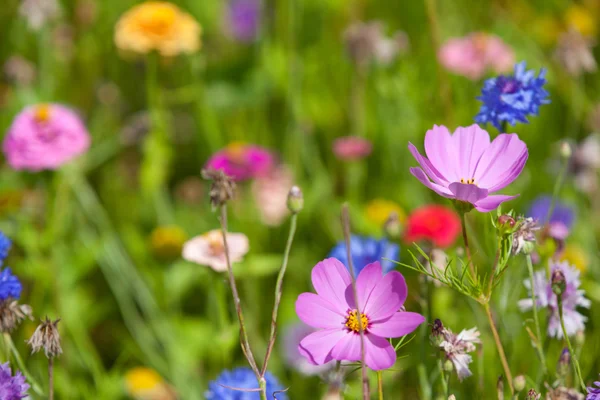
(242, 161)
(45, 136)
(334, 312)
(466, 167)
(351, 148)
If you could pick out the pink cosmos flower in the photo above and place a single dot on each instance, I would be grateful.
(465, 166)
(242, 161)
(351, 148)
(473, 55)
(45, 136)
(208, 249)
(334, 311)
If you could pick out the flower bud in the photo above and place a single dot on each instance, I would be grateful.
(562, 368)
(519, 383)
(500, 387)
(558, 282)
(295, 200)
(532, 395)
(437, 333)
(565, 150)
(506, 220)
(448, 366)
(392, 226)
(452, 397)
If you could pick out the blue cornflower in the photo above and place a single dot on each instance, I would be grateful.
(593, 392)
(5, 244)
(561, 214)
(512, 98)
(12, 387)
(242, 378)
(366, 250)
(10, 286)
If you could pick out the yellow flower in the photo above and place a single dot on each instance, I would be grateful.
(378, 211)
(576, 256)
(581, 19)
(167, 241)
(140, 381)
(160, 26)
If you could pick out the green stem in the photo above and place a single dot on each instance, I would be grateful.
(443, 378)
(557, 186)
(278, 291)
(380, 385)
(538, 331)
(30, 379)
(463, 222)
(573, 354)
(499, 347)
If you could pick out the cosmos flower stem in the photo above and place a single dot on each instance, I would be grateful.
(463, 221)
(445, 91)
(380, 385)
(572, 352)
(278, 291)
(346, 229)
(22, 367)
(494, 268)
(538, 331)
(499, 347)
(236, 299)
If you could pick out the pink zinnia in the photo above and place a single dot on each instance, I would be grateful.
(334, 311)
(351, 148)
(473, 55)
(242, 161)
(45, 136)
(465, 166)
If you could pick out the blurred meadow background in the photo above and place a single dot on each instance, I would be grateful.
(98, 242)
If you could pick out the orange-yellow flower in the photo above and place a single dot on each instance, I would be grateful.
(146, 384)
(160, 26)
(576, 256)
(379, 210)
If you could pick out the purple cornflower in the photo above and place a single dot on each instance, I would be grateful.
(244, 19)
(512, 98)
(593, 392)
(366, 250)
(242, 378)
(561, 220)
(571, 298)
(12, 387)
(337, 316)
(466, 167)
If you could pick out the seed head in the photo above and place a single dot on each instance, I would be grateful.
(46, 336)
(12, 313)
(222, 188)
(295, 200)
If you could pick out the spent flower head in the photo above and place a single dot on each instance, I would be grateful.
(467, 167)
(46, 337)
(511, 98)
(524, 235)
(12, 314)
(222, 188)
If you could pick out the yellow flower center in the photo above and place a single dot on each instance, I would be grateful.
(215, 243)
(470, 181)
(42, 113)
(236, 151)
(157, 20)
(352, 321)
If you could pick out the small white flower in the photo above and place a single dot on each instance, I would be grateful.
(456, 348)
(208, 249)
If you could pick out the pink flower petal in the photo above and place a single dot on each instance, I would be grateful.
(400, 324)
(467, 192)
(365, 283)
(441, 152)
(386, 297)
(471, 143)
(348, 348)
(317, 312)
(379, 353)
(490, 203)
(420, 175)
(330, 279)
(317, 346)
(501, 163)
(429, 169)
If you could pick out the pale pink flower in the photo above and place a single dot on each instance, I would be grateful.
(473, 55)
(208, 249)
(351, 148)
(270, 195)
(45, 136)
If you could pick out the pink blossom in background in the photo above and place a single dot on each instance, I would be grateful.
(467, 167)
(242, 161)
(334, 312)
(45, 136)
(270, 195)
(473, 55)
(351, 148)
(208, 249)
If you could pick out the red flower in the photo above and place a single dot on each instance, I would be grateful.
(436, 224)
